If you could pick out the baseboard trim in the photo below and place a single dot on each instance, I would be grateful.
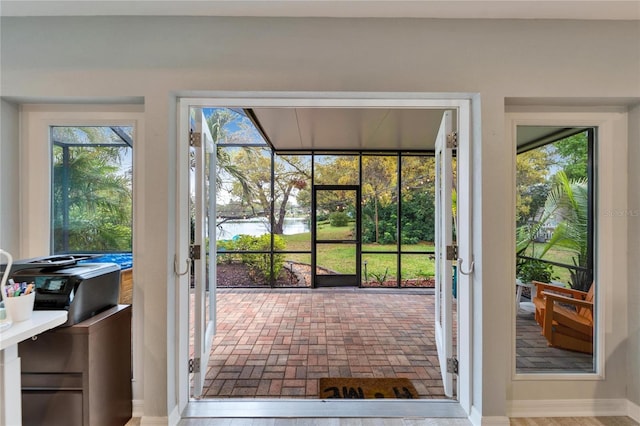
(568, 408)
(633, 411)
(171, 420)
(174, 416)
(137, 408)
(153, 421)
(478, 420)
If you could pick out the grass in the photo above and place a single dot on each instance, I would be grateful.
(341, 257)
(555, 254)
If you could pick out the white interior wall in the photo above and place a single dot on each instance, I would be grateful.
(90, 59)
(633, 358)
(9, 154)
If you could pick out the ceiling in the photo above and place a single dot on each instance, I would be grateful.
(371, 129)
(366, 129)
(445, 9)
(529, 137)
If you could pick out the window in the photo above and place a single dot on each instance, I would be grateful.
(91, 208)
(555, 234)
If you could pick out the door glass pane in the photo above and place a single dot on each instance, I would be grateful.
(335, 259)
(336, 214)
(555, 234)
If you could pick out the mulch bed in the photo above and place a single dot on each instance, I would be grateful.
(293, 275)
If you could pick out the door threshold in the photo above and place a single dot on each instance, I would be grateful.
(332, 408)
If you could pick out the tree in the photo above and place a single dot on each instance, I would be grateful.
(570, 200)
(290, 175)
(572, 155)
(567, 201)
(379, 186)
(92, 198)
(532, 168)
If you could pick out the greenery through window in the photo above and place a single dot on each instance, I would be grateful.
(92, 189)
(552, 210)
(263, 210)
(555, 239)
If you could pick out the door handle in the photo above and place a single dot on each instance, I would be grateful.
(462, 271)
(176, 268)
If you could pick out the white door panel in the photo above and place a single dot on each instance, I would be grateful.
(444, 238)
(203, 196)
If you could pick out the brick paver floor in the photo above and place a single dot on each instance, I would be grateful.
(278, 343)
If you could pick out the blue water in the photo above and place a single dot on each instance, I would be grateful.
(125, 260)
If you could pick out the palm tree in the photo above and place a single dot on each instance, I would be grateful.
(91, 200)
(568, 202)
(571, 200)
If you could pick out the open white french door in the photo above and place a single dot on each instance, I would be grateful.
(202, 189)
(444, 240)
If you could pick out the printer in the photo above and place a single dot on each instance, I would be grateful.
(61, 283)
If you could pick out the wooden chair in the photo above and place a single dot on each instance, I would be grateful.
(566, 316)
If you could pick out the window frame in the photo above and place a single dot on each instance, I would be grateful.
(36, 163)
(608, 126)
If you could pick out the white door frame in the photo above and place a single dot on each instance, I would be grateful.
(317, 408)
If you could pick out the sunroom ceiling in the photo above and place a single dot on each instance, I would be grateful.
(371, 129)
(366, 129)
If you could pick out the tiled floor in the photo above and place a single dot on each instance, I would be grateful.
(277, 343)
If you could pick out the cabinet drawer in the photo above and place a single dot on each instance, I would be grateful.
(62, 408)
(51, 381)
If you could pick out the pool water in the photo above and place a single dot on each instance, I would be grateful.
(125, 260)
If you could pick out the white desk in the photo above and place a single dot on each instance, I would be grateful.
(11, 401)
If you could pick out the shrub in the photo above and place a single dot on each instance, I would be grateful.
(534, 270)
(259, 263)
(338, 219)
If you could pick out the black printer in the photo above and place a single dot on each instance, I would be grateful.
(83, 290)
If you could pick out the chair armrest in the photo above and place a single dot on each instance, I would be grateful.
(577, 294)
(551, 298)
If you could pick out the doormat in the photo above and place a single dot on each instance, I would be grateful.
(366, 388)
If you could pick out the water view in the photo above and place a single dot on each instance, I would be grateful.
(259, 226)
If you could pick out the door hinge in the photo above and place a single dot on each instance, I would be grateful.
(452, 253)
(452, 365)
(452, 140)
(195, 139)
(194, 252)
(194, 365)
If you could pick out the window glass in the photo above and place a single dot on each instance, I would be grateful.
(92, 189)
(555, 259)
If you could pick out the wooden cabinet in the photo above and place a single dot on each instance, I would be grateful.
(79, 375)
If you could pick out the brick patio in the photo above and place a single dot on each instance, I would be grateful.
(277, 343)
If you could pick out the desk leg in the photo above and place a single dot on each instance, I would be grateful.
(11, 402)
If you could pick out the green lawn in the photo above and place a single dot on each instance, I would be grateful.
(559, 255)
(341, 257)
